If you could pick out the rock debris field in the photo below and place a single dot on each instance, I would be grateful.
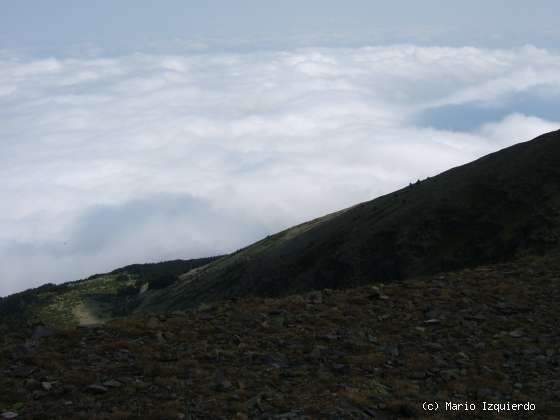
(485, 334)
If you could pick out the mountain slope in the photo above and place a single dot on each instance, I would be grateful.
(373, 353)
(502, 205)
(93, 300)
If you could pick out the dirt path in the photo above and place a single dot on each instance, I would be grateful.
(85, 316)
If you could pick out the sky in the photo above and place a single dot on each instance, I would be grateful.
(136, 131)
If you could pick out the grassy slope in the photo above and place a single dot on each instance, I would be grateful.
(98, 298)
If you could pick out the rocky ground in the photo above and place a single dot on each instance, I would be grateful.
(487, 334)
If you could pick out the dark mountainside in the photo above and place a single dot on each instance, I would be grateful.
(503, 205)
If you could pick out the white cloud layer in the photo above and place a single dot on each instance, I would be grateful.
(105, 162)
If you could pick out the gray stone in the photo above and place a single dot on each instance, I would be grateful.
(516, 333)
(96, 389)
(112, 384)
(41, 331)
(277, 360)
(220, 381)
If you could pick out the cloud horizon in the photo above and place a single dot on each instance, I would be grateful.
(107, 161)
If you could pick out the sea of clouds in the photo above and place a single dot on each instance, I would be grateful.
(145, 157)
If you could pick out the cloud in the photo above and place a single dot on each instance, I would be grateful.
(109, 161)
(164, 225)
(467, 116)
(517, 126)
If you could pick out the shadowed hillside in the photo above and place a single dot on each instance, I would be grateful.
(497, 207)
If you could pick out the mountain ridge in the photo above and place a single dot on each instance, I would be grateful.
(499, 206)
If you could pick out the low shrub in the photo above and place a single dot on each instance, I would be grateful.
(162, 281)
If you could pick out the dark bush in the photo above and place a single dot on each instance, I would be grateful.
(128, 291)
(16, 303)
(162, 281)
(122, 278)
